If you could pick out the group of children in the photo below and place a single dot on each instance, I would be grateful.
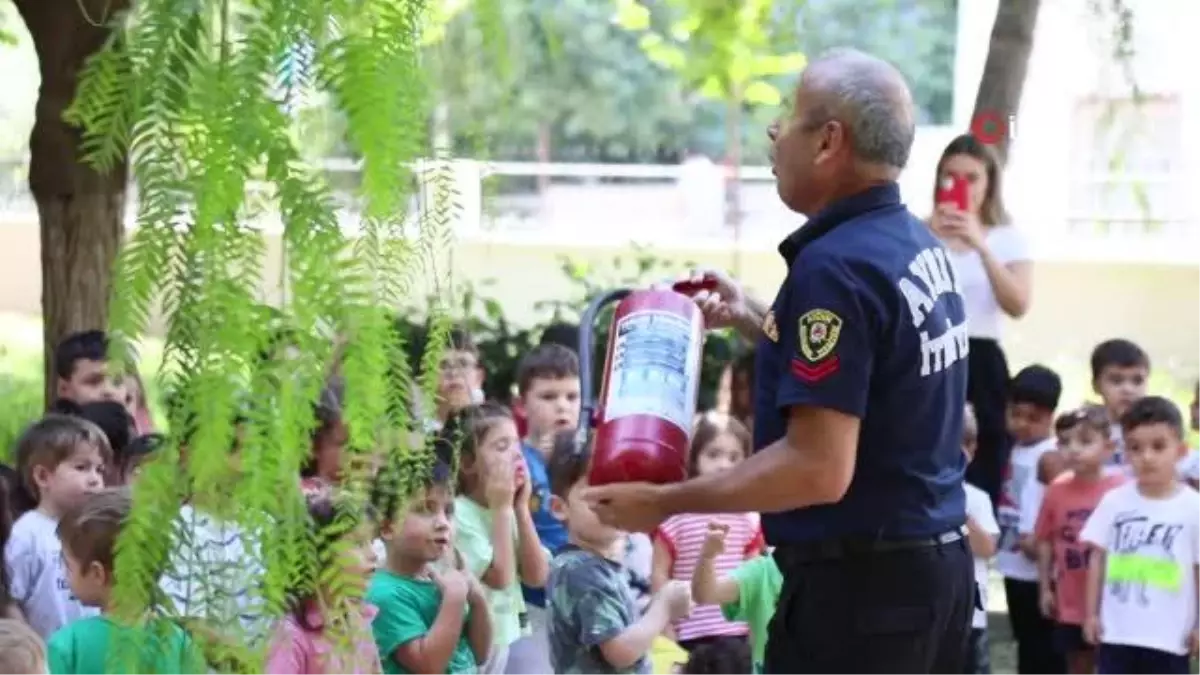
(478, 557)
(1097, 528)
(482, 556)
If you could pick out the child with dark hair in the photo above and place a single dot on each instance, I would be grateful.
(100, 644)
(81, 366)
(1033, 395)
(1141, 603)
(496, 536)
(741, 390)
(1120, 373)
(1068, 501)
(460, 377)
(61, 460)
(323, 469)
(548, 384)
(114, 420)
(722, 656)
(719, 442)
(322, 622)
(594, 622)
(432, 617)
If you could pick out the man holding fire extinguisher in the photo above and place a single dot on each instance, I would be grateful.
(860, 385)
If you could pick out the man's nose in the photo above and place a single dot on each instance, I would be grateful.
(773, 131)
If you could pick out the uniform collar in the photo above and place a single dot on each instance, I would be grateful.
(846, 208)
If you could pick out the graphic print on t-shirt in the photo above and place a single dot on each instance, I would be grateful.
(1143, 558)
(1152, 546)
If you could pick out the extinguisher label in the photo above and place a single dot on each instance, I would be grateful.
(655, 368)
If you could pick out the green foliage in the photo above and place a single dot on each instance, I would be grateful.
(199, 96)
(571, 80)
(724, 50)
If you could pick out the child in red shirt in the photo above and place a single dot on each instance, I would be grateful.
(1069, 500)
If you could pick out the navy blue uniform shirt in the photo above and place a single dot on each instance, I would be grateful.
(870, 322)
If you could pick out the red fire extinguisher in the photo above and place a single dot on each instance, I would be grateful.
(643, 421)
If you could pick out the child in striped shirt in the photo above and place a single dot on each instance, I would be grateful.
(719, 442)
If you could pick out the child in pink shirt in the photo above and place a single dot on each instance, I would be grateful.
(327, 632)
(719, 442)
(1069, 501)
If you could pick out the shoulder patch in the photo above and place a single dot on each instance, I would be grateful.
(817, 334)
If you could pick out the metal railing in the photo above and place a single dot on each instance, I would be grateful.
(1107, 215)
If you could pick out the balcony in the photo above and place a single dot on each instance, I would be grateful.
(1119, 218)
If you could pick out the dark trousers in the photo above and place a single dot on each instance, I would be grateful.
(1123, 659)
(902, 611)
(1036, 650)
(987, 392)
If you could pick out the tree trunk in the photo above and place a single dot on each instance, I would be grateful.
(80, 211)
(1007, 63)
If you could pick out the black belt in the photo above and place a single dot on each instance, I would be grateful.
(833, 549)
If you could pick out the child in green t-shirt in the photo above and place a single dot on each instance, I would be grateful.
(431, 617)
(749, 593)
(103, 644)
(494, 530)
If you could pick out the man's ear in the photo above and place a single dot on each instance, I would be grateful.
(558, 508)
(61, 387)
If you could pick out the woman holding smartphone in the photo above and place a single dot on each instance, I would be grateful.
(991, 258)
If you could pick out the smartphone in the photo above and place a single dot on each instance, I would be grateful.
(953, 190)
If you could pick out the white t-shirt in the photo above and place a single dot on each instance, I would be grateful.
(1188, 468)
(1117, 435)
(1153, 547)
(984, 315)
(38, 577)
(215, 573)
(979, 509)
(1017, 497)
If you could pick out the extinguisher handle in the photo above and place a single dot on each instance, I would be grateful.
(691, 287)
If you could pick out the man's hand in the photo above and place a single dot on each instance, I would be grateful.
(633, 507)
(723, 306)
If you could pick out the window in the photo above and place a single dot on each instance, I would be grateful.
(1127, 160)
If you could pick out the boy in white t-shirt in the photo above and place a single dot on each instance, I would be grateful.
(1144, 537)
(1120, 373)
(61, 459)
(1033, 396)
(982, 532)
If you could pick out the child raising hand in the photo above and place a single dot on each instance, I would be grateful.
(748, 594)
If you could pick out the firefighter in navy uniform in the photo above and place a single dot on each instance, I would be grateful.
(860, 386)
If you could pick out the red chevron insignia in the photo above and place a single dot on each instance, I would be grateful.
(815, 372)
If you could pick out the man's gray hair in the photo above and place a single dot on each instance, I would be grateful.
(869, 96)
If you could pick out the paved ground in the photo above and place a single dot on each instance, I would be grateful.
(1003, 649)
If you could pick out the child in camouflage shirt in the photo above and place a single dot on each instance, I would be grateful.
(594, 625)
